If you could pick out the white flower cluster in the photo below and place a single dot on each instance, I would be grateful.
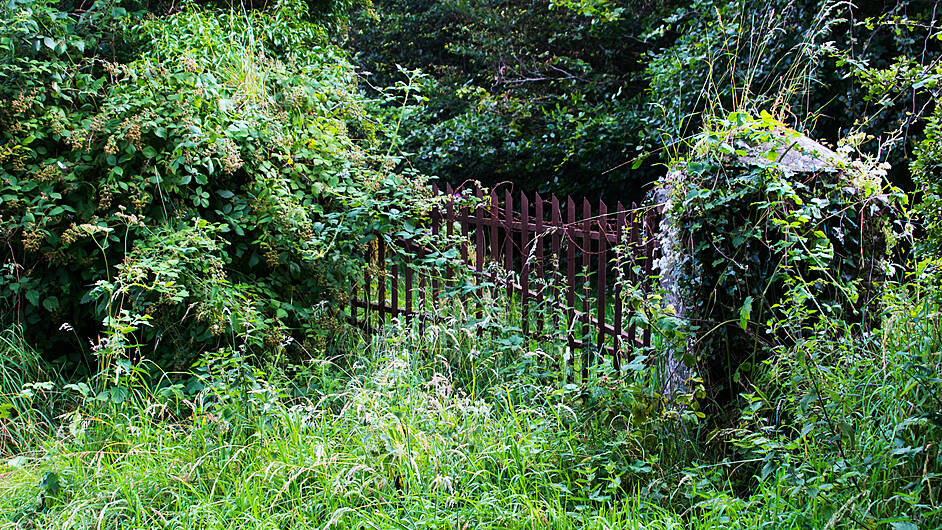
(865, 172)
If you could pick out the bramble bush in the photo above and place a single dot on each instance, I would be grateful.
(178, 184)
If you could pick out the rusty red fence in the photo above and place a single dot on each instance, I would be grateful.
(556, 259)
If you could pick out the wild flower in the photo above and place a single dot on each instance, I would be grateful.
(189, 63)
(232, 158)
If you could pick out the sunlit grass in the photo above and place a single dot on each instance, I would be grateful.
(438, 426)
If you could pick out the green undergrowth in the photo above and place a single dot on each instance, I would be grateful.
(405, 435)
(186, 196)
(455, 424)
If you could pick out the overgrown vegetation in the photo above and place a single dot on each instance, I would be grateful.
(187, 192)
(764, 226)
(201, 180)
(445, 428)
(593, 97)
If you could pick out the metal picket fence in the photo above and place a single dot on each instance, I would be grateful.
(551, 253)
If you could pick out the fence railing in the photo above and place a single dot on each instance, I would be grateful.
(557, 260)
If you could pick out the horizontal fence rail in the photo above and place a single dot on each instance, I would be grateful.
(558, 260)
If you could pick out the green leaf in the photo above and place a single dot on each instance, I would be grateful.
(806, 400)
(847, 430)
(32, 296)
(745, 313)
(115, 395)
(51, 303)
(50, 484)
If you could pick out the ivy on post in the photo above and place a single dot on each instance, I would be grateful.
(760, 225)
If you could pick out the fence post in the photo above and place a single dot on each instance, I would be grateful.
(449, 228)
(632, 275)
(509, 242)
(381, 290)
(423, 291)
(408, 290)
(495, 227)
(479, 246)
(648, 259)
(465, 220)
(571, 270)
(557, 221)
(619, 279)
(367, 281)
(525, 258)
(538, 241)
(394, 288)
(586, 289)
(436, 218)
(602, 285)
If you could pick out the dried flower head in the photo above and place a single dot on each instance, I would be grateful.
(189, 63)
(231, 159)
(32, 239)
(111, 146)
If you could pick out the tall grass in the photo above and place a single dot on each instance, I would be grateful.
(427, 425)
(390, 441)
(26, 394)
(440, 426)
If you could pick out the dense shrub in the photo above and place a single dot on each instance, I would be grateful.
(183, 183)
(543, 94)
(590, 96)
(927, 171)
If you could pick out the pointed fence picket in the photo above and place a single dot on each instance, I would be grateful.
(581, 267)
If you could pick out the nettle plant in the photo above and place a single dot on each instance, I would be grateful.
(770, 233)
(185, 183)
